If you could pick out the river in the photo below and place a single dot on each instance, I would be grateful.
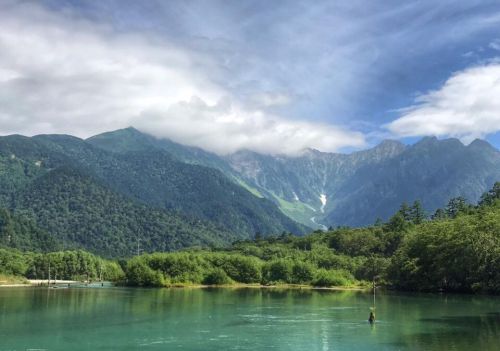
(243, 319)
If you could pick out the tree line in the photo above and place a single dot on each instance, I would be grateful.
(66, 265)
(456, 249)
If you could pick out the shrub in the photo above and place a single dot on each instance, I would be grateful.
(328, 278)
(140, 274)
(277, 271)
(243, 269)
(217, 277)
(181, 267)
(373, 268)
(302, 272)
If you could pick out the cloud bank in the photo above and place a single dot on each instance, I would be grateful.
(224, 128)
(64, 74)
(467, 106)
(206, 74)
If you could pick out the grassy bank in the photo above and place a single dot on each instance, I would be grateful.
(11, 280)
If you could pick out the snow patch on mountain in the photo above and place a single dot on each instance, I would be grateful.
(322, 226)
(322, 198)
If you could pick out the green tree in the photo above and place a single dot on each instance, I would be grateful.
(302, 272)
(417, 212)
(140, 274)
(217, 277)
(405, 211)
(439, 214)
(456, 206)
(397, 223)
(277, 271)
(489, 197)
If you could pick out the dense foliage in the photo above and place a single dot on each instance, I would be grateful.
(100, 200)
(22, 233)
(68, 265)
(80, 212)
(457, 249)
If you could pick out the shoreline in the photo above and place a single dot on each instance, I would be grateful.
(260, 286)
(43, 283)
(38, 282)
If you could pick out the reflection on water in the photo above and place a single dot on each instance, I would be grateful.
(242, 319)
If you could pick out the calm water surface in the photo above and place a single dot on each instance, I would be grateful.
(242, 319)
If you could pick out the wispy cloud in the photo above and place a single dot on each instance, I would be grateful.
(466, 106)
(495, 44)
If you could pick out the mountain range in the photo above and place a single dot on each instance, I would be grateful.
(125, 191)
(355, 189)
(321, 189)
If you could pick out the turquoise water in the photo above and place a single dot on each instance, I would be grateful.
(242, 319)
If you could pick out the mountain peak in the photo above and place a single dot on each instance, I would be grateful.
(129, 131)
(432, 141)
(387, 148)
(311, 152)
(427, 140)
(481, 144)
(390, 144)
(127, 139)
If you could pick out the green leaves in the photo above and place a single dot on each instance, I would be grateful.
(68, 265)
(461, 254)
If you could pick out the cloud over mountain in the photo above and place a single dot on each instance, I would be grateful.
(224, 128)
(61, 73)
(466, 106)
(84, 67)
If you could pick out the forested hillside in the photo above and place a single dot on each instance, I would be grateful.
(121, 189)
(78, 211)
(21, 232)
(457, 249)
(322, 189)
(82, 196)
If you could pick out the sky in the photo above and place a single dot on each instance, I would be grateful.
(269, 76)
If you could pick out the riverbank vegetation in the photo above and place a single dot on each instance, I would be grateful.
(63, 265)
(456, 249)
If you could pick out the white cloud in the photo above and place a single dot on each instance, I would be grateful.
(467, 106)
(224, 128)
(62, 74)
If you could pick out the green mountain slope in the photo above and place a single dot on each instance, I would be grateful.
(151, 178)
(327, 189)
(81, 212)
(162, 180)
(21, 232)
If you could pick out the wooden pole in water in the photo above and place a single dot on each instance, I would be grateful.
(371, 318)
(100, 271)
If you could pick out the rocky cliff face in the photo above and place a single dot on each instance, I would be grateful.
(360, 187)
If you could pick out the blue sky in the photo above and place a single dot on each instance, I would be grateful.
(272, 76)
